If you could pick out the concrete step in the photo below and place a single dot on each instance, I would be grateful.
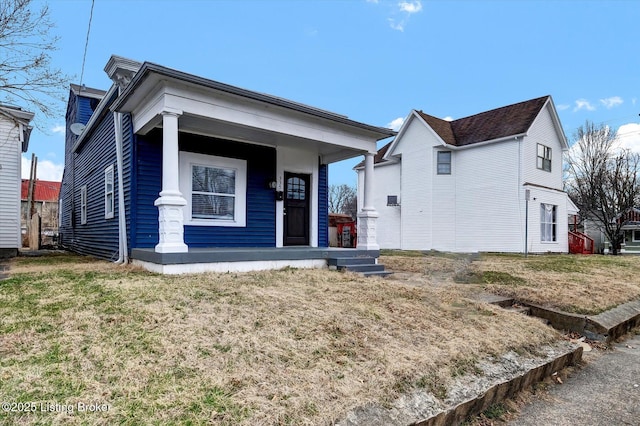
(365, 265)
(362, 268)
(345, 261)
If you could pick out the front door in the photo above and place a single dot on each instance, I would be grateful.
(297, 191)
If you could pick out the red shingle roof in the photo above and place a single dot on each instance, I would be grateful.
(44, 190)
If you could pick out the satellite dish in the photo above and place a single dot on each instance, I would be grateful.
(77, 128)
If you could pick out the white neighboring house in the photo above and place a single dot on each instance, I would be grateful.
(461, 185)
(14, 140)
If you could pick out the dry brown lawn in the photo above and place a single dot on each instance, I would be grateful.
(278, 347)
(573, 283)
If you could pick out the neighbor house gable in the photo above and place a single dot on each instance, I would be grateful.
(486, 127)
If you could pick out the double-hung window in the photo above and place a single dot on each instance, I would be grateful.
(215, 189)
(543, 160)
(109, 193)
(548, 222)
(444, 163)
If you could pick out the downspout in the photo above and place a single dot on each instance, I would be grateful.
(123, 252)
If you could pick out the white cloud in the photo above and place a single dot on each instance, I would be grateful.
(629, 137)
(611, 102)
(58, 128)
(562, 107)
(396, 124)
(372, 1)
(583, 104)
(448, 118)
(410, 6)
(633, 101)
(45, 169)
(399, 26)
(405, 10)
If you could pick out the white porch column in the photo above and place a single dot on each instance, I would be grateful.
(368, 216)
(170, 203)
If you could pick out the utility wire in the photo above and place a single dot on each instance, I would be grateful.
(86, 44)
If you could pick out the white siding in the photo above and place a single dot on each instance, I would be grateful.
(387, 182)
(559, 199)
(481, 205)
(10, 163)
(488, 211)
(444, 216)
(416, 183)
(542, 131)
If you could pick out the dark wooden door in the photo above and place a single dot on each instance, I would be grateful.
(297, 191)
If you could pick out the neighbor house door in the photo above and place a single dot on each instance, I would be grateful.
(297, 191)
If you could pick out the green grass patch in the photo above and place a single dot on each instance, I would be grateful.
(490, 277)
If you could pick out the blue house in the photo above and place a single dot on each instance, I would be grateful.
(179, 173)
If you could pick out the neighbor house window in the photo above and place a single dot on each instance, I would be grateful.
(444, 162)
(636, 235)
(548, 222)
(544, 158)
(215, 189)
(392, 200)
(109, 193)
(83, 205)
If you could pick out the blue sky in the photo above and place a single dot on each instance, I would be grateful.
(371, 60)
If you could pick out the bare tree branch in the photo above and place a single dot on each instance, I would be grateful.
(602, 179)
(343, 199)
(27, 76)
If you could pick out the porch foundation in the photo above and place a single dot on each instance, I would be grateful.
(241, 259)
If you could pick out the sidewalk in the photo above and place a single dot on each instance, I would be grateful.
(606, 391)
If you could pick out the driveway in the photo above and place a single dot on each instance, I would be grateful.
(606, 391)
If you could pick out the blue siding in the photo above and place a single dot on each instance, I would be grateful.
(148, 184)
(99, 236)
(127, 172)
(323, 206)
(79, 110)
(261, 167)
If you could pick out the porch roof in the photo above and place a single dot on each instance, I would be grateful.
(211, 108)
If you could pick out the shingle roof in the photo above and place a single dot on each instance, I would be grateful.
(44, 190)
(498, 123)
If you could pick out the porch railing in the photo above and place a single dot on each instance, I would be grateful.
(580, 243)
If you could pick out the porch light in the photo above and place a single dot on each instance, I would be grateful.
(272, 184)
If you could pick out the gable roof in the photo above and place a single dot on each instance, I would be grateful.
(44, 190)
(22, 117)
(497, 123)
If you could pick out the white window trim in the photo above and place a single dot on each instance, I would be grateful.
(554, 225)
(550, 159)
(187, 159)
(83, 205)
(633, 235)
(438, 163)
(109, 206)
